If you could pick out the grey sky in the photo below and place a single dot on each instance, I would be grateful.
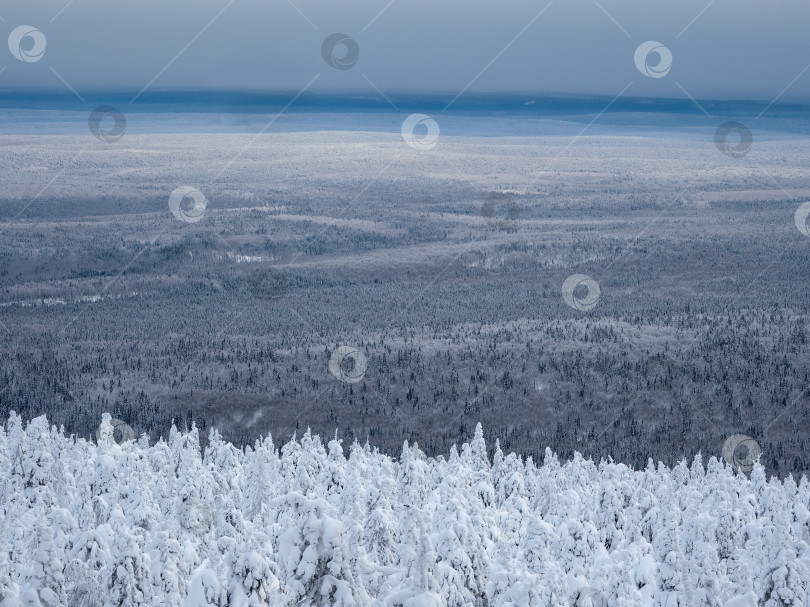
(733, 49)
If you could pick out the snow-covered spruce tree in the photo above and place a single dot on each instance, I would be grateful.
(50, 527)
(785, 576)
(670, 591)
(169, 571)
(476, 464)
(454, 570)
(413, 480)
(576, 548)
(315, 561)
(130, 582)
(254, 584)
(311, 462)
(206, 589)
(332, 478)
(704, 568)
(460, 539)
(380, 528)
(416, 585)
(105, 525)
(104, 487)
(610, 515)
(193, 503)
(9, 592)
(548, 489)
(514, 586)
(45, 580)
(288, 465)
(223, 463)
(260, 469)
(88, 569)
(358, 481)
(615, 579)
(134, 490)
(536, 552)
(39, 470)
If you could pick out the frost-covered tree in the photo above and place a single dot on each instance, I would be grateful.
(88, 569)
(418, 586)
(223, 463)
(314, 559)
(460, 543)
(785, 576)
(380, 529)
(253, 583)
(157, 525)
(536, 551)
(332, 479)
(130, 581)
(169, 571)
(476, 463)
(45, 580)
(9, 592)
(261, 468)
(206, 589)
(670, 590)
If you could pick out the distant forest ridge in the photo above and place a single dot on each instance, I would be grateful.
(529, 104)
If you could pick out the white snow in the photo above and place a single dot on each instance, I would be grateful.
(167, 525)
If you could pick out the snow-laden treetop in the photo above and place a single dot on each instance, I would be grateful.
(92, 525)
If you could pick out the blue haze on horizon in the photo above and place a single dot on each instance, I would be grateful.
(722, 49)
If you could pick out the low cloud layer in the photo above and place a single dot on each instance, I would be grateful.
(720, 49)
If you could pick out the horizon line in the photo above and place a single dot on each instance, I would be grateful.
(365, 95)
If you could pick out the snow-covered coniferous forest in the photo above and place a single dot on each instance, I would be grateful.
(314, 522)
(429, 303)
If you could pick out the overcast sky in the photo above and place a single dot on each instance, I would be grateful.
(738, 49)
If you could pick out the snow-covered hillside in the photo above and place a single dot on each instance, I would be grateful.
(309, 524)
